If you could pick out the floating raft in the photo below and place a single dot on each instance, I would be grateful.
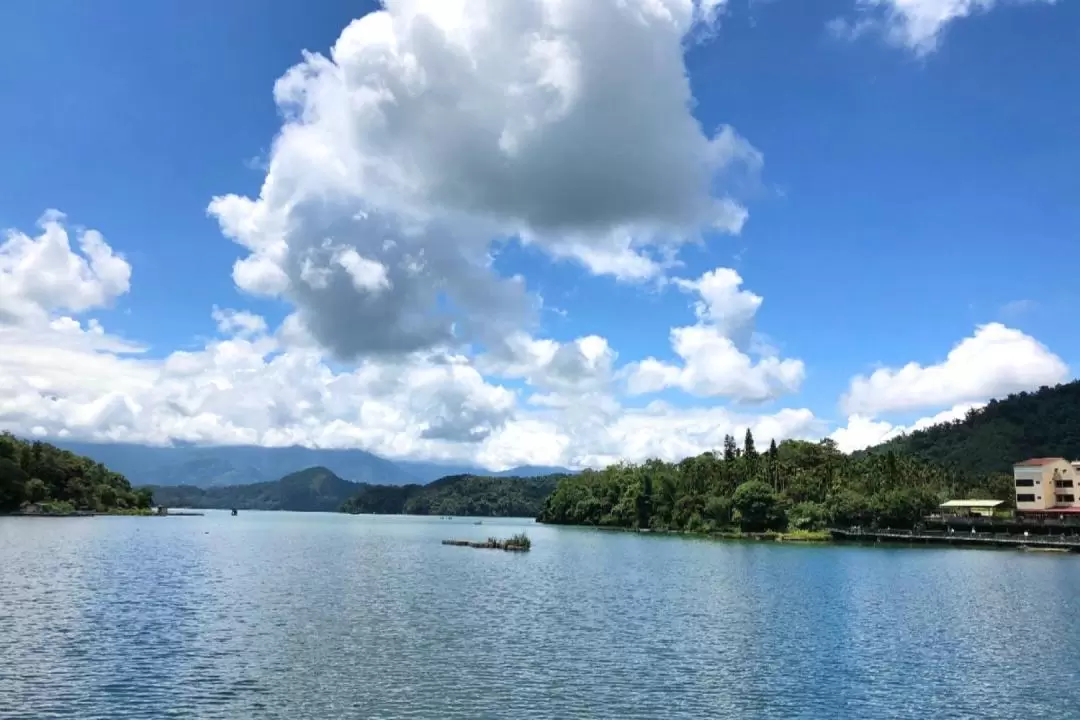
(488, 545)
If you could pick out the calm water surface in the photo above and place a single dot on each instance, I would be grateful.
(282, 615)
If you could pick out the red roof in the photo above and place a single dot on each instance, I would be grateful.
(1039, 461)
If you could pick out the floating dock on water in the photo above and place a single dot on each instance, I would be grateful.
(489, 545)
(1068, 543)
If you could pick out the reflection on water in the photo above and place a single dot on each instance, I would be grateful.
(284, 615)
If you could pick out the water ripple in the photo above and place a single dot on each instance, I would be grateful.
(278, 615)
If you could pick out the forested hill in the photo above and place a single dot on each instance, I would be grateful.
(41, 474)
(314, 489)
(1045, 423)
(458, 495)
(797, 485)
(319, 489)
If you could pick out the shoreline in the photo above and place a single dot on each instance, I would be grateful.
(94, 513)
(829, 537)
(801, 537)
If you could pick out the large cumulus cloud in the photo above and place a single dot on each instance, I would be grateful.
(436, 127)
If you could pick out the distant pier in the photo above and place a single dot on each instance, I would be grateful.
(1070, 543)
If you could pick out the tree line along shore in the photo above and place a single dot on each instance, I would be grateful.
(796, 486)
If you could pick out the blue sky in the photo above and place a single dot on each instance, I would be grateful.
(906, 195)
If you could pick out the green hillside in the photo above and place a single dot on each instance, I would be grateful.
(458, 495)
(319, 489)
(315, 489)
(60, 481)
(1045, 423)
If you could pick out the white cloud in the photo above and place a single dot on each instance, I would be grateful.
(238, 322)
(60, 377)
(436, 126)
(41, 274)
(915, 24)
(994, 362)
(862, 432)
(713, 363)
(70, 380)
(583, 365)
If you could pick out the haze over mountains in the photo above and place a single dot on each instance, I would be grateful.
(987, 440)
(224, 465)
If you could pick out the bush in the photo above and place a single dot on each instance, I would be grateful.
(519, 540)
(807, 516)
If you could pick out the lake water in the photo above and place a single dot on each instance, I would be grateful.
(283, 615)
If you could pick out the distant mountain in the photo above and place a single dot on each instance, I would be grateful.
(219, 466)
(1045, 423)
(312, 490)
(427, 472)
(319, 489)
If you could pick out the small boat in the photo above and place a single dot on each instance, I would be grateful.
(234, 511)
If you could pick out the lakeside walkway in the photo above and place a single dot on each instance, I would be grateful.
(1049, 542)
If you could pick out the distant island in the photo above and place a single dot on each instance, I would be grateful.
(319, 489)
(800, 486)
(40, 478)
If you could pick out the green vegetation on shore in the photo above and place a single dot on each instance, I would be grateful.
(457, 495)
(55, 481)
(796, 486)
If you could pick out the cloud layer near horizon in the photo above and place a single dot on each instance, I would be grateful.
(428, 136)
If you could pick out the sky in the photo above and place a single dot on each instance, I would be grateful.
(542, 232)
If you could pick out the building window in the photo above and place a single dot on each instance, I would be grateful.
(1063, 483)
(1066, 498)
(1025, 498)
(1025, 482)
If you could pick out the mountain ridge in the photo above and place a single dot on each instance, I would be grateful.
(318, 489)
(1043, 423)
(208, 466)
(314, 489)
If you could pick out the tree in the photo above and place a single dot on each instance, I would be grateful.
(36, 490)
(757, 507)
(731, 450)
(772, 463)
(749, 451)
(750, 458)
(644, 502)
(106, 496)
(718, 510)
(12, 485)
(807, 516)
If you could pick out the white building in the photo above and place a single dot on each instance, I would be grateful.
(1047, 485)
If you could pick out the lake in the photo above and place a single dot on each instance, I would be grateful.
(289, 615)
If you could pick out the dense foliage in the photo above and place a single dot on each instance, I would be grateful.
(315, 489)
(797, 485)
(458, 495)
(1045, 423)
(60, 481)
